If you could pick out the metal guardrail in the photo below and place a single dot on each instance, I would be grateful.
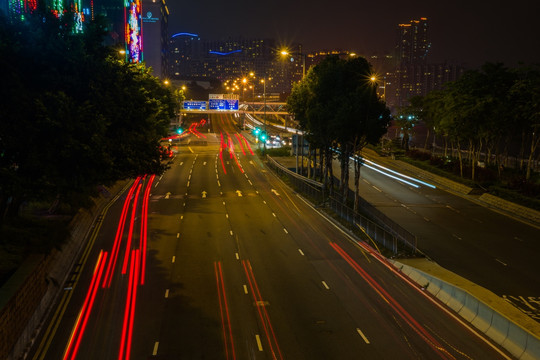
(374, 223)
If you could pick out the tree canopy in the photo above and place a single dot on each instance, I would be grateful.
(73, 114)
(491, 112)
(337, 107)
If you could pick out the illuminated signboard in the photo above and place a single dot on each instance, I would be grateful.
(194, 105)
(134, 49)
(222, 104)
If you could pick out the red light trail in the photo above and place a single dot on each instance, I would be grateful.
(240, 142)
(419, 329)
(78, 330)
(119, 232)
(143, 241)
(247, 144)
(130, 233)
(105, 266)
(225, 319)
(263, 315)
(129, 311)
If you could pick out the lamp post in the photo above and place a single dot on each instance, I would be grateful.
(303, 56)
(264, 116)
(374, 79)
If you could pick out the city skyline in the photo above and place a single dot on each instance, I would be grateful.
(465, 32)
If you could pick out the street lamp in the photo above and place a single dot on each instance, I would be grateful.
(244, 81)
(286, 53)
(374, 79)
(264, 116)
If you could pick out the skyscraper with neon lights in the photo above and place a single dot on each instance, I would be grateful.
(133, 31)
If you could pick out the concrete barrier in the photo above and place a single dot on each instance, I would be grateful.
(483, 318)
(501, 330)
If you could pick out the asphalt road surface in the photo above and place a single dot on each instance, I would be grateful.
(225, 262)
(490, 249)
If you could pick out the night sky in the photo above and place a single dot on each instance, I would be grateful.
(470, 32)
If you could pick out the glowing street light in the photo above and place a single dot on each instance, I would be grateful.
(374, 79)
(284, 52)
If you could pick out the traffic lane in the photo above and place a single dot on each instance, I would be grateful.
(486, 221)
(164, 225)
(106, 305)
(306, 240)
(372, 266)
(406, 312)
(359, 304)
(191, 326)
(308, 323)
(491, 240)
(223, 123)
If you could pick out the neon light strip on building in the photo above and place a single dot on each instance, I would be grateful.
(133, 31)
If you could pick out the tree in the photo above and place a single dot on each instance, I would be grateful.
(75, 116)
(525, 94)
(337, 106)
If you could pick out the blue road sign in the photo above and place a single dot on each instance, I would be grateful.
(194, 105)
(222, 104)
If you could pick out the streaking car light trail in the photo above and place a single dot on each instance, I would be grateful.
(224, 311)
(118, 238)
(240, 142)
(357, 158)
(130, 233)
(221, 147)
(263, 314)
(247, 144)
(400, 174)
(78, 330)
(419, 329)
(392, 176)
(129, 311)
(238, 164)
(230, 145)
(144, 226)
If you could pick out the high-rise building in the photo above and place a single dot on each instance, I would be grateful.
(155, 25)
(194, 59)
(412, 43)
(413, 75)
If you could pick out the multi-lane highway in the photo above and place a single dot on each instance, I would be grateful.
(488, 248)
(219, 260)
